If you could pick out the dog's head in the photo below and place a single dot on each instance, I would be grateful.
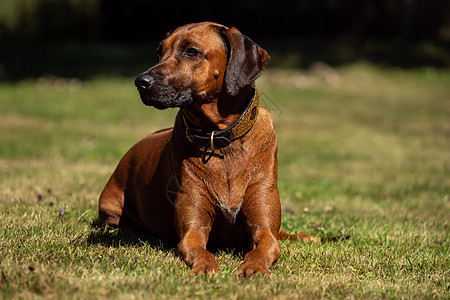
(196, 62)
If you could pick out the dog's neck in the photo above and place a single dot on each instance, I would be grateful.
(220, 112)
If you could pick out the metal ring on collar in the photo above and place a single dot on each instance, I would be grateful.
(212, 141)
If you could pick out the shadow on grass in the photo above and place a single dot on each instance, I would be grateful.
(114, 237)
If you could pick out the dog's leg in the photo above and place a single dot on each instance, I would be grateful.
(262, 256)
(192, 248)
(194, 223)
(304, 237)
(111, 205)
(112, 198)
(263, 214)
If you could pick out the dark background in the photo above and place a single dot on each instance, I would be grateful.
(84, 38)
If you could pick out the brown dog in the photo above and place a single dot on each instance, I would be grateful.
(212, 178)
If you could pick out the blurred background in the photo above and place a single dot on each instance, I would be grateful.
(85, 38)
(359, 92)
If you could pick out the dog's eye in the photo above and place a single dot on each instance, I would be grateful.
(191, 52)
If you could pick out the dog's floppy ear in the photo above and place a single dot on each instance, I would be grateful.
(159, 48)
(246, 60)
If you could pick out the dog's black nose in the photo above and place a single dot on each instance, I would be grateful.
(144, 82)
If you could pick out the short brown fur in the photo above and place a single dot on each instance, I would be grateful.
(163, 183)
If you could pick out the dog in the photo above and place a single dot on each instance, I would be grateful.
(211, 180)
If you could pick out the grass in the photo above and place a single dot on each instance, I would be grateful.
(363, 151)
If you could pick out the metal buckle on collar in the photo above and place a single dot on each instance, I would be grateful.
(212, 141)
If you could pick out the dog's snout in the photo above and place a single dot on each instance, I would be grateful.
(144, 82)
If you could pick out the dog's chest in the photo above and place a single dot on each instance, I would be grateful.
(228, 188)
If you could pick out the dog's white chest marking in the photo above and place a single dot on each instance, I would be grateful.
(229, 213)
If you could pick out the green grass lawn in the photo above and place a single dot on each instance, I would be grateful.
(363, 151)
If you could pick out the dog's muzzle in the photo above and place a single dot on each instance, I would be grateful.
(162, 96)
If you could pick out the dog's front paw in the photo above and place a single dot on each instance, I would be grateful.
(249, 269)
(204, 266)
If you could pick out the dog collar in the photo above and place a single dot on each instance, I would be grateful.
(212, 140)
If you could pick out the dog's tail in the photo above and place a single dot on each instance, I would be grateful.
(307, 238)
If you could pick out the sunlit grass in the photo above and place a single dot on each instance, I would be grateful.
(363, 151)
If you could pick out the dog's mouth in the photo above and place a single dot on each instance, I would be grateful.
(165, 96)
